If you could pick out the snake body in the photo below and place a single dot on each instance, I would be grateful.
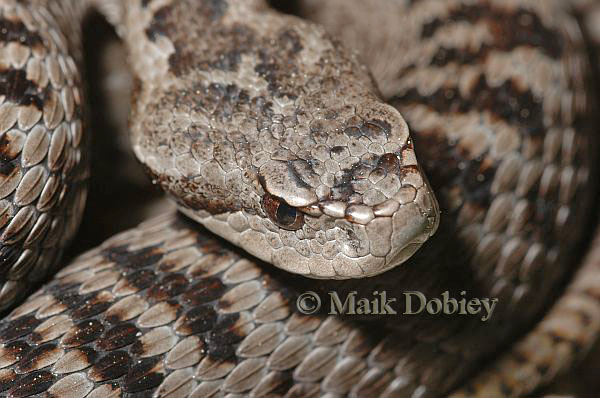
(268, 132)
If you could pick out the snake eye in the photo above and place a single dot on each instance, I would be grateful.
(282, 214)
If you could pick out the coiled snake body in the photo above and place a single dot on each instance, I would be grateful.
(263, 128)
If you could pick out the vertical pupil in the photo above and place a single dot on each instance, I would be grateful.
(286, 215)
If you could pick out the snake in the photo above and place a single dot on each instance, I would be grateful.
(289, 141)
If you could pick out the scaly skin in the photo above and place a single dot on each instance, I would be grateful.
(270, 134)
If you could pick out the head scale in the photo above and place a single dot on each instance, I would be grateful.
(285, 149)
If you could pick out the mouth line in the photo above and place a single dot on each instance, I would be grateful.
(363, 214)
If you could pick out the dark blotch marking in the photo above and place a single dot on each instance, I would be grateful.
(353, 132)
(338, 150)
(271, 71)
(279, 65)
(198, 320)
(7, 168)
(220, 341)
(376, 129)
(204, 292)
(117, 337)
(18, 328)
(290, 41)
(387, 163)
(343, 186)
(71, 298)
(233, 40)
(18, 89)
(510, 29)
(141, 279)
(7, 379)
(16, 31)
(111, 366)
(29, 361)
(263, 107)
(62, 289)
(6, 149)
(507, 102)
(32, 383)
(169, 286)
(474, 179)
(240, 40)
(281, 382)
(210, 246)
(227, 99)
(15, 351)
(142, 376)
(141, 258)
(373, 129)
(87, 331)
(90, 308)
(89, 353)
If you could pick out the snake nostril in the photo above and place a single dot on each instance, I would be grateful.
(282, 214)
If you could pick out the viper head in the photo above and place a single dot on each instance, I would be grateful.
(286, 150)
(354, 204)
(347, 199)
